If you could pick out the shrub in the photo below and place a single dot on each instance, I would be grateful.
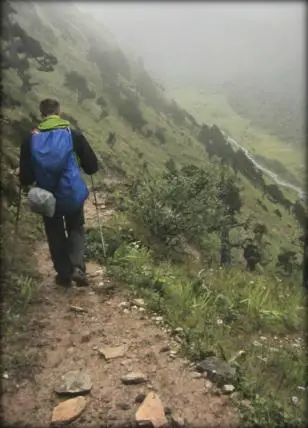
(160, 135)
(130, 111)
(76, 82)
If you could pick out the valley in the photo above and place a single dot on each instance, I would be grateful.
(211, 244)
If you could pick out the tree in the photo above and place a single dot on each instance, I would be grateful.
(76, 82)
(287, 260)
(111, 140)
(300, 213)
(252, 254)
(229, 195)
(259, 231)
(160, 135)
(171, 166)
(255, 249)
(130, 111)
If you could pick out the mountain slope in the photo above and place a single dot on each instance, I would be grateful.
(101, 92)
(139, 133)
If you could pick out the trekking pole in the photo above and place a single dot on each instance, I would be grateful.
(98, 218)
(16, 223)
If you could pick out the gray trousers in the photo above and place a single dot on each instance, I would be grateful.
(66, 242)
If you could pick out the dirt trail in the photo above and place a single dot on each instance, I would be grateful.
(66, 340)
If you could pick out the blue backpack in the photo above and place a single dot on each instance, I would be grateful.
(56, 169)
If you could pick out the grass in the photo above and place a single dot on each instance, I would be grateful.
(224, 312)
(220, 311)
(212, 107)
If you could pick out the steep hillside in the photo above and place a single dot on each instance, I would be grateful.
(102, 92)
(253, 54)
(188, 207)
(245, 124)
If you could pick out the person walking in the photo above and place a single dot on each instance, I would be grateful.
(51, 156)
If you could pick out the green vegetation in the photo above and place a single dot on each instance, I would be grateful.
(281, 113)
(213, 107)
(163, 252)
(188, 218)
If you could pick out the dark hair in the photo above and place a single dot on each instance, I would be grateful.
(49, 106)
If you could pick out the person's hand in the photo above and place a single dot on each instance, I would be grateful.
(17, 172)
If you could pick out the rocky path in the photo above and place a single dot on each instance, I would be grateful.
(103, 361)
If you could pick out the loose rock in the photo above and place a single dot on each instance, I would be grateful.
(123, 406)
(139, 302)
(217, 370)
(140, 398)
(110, 353)
(123, 305)
(133, 378)
(208, 385)
(165, 348)
(151, 410)
(196, 375)
(68, 410)
(228, 389)
(77, 309)
(74, 382)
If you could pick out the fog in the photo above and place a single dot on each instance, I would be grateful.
(211, 43)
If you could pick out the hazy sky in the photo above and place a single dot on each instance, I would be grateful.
(216, 39)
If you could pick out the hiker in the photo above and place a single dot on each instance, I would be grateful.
(50, 142)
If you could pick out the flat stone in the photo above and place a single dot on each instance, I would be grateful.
(68, 410)
(74, 382)
(111, 353)
(217, 370)
(77, 309)
(196, 375)
(151, 410)
(165, 348)
(123, 406)
(228, 389)
(134, 378)
(208, 385)
(123, 305)
(140, 398)
(138, 302)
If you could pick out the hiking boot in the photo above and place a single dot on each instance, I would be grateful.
(63, 281)
(80, 278)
